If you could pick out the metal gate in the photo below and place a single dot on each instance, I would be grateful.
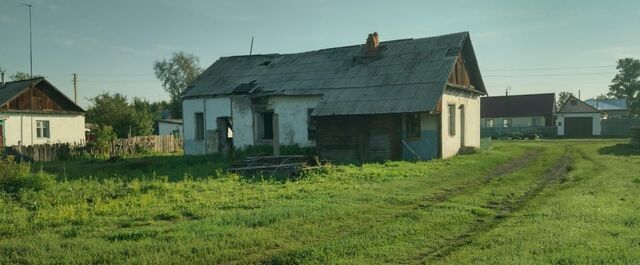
(578, 126)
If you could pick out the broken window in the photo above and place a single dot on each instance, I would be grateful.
(311, 126)
(265, 125)
(452, 119)
(413, 125)
(199, 122)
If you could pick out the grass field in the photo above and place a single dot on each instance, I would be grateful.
(523, 202)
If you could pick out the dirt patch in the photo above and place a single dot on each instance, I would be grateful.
(507, 207)
(520, 162)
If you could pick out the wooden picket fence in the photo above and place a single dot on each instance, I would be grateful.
(119, 147)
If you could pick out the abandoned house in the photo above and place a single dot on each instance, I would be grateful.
(36, 112)
(400, 99)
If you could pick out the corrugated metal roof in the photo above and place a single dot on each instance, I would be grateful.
(405, 75)
(608, 104)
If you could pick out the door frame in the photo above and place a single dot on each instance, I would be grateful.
(462, 125)
(4, 136)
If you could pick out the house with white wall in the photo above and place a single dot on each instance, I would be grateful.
(578, 119)
(36, 112)
(399, 99)
(530, 110)
(170, 127)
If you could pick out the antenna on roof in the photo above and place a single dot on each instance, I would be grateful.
(251, 49)
(506, 91)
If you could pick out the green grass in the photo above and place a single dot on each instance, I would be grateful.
(184, 210)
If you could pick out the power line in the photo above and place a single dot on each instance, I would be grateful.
(97, 74)
(549, 68)
(563, 74)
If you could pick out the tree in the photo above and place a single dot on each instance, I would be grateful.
(626, 83)
(603, 97)
(562, 98)
(19, 76)
(176, 74)
(126, 119)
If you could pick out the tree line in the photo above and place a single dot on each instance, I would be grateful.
(116, 115)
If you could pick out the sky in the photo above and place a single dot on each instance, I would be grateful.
(530, 46)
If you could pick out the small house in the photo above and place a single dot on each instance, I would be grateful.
(517, 110)
(389, 100)
(578, 119)
(169, 127)
(35, 112)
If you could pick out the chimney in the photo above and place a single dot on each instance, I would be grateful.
(2, 82)
(372, 43)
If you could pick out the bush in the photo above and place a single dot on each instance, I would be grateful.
(16, 176)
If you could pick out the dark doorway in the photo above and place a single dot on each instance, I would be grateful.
(266, 125)
(225, 133)
(578, 127)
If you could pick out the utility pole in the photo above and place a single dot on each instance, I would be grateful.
(30, 70)
(30, 42)
(75, 88)
(251, 49)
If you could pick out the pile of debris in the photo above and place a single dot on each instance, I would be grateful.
(635, 137)
(290, 165)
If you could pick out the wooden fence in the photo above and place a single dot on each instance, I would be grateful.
(119, 147)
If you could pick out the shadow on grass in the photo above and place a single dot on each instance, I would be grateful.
(175, 168)
(619, 150)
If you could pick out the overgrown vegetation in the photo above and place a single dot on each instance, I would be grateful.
(15, 177)
(513, 204)
(135, 118)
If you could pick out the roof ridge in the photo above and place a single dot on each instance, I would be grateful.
(23, 80)
(347, 46)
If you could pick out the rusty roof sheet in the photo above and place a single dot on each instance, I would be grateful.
(408, 74)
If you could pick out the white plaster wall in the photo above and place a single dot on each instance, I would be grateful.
(595, 116)
(515, 121)
(167, 128)
(471, 102)
(63, 128)
(212, 109)
(242, 122)
(293, 118)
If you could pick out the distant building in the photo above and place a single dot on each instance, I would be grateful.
(36, 112)
(400, 99)
(170, 127)
(517, 110)
(578, 119)
(613, 108)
